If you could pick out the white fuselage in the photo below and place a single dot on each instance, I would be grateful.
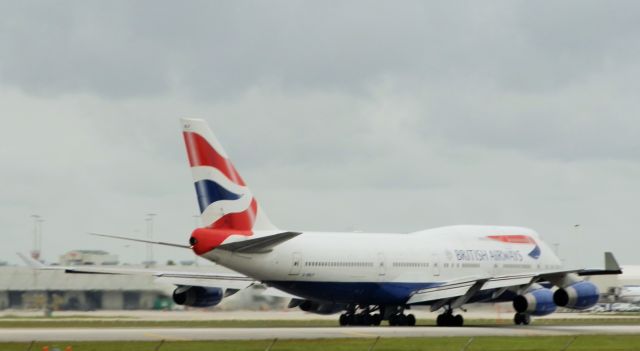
(415, 259)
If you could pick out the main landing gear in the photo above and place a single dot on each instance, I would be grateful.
(402, 319)
(363, 319)
(366, 317)
(522, 319)
(447, 319)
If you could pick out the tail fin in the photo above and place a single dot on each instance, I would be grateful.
(225, 200)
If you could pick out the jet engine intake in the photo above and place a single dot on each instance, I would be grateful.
(538, 302)
(579, 296)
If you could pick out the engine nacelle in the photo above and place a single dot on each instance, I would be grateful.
(197, 296)
(579, 296)
(538, 302)
(321, 308)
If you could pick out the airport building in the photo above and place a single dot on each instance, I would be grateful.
(26, 288)
(22, 287)
(88, 257)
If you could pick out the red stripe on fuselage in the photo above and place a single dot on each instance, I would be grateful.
(513, 239)
(200, 153)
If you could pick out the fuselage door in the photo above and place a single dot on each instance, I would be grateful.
(296, 262)
(435, 264)
(382, 265)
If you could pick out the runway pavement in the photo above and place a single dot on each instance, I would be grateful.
(146, 334)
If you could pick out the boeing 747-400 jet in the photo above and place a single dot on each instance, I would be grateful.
(367, 277)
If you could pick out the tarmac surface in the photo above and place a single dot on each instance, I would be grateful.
(151, 334)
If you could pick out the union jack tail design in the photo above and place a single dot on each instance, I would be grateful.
(225, 201)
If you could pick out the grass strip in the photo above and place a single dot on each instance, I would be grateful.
(279, 323)
(538, 343)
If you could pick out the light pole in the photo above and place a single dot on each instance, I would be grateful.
(37, 233)
(149, 221)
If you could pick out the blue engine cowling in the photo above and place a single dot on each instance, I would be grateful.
(538, 302)
(197, 296)
(579, 296)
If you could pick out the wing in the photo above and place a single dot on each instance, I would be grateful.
(182, 278)
(460, 291)
(231, 281)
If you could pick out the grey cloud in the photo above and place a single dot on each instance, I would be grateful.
(218, 49)
(385, 116)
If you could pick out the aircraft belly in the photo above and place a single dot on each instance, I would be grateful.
(373, 293)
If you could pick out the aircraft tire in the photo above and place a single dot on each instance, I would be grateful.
(411, 320)
(458, 320)
(393, 320)
(367, 319)
(343, 320)
(402, 320)
(522, 319)
(377, 319)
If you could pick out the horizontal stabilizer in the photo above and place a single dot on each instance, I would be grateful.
(611, 267)
(259, 245)
(141, 240)
(30, 261)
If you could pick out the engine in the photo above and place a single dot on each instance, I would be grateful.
(579, 296)
(197, 296)
(319, 308)
(538, 302)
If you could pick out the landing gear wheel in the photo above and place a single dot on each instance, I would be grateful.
(366, 319)
(344, 319)
(402, 320)
(411, 320)
(522, 319)
(458, 320)
(376, 319)
(357, 319)
(393, 320)
(447, 319)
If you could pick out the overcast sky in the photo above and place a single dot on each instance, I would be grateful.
(389, 116)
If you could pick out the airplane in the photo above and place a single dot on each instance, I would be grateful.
(629, 294)
(367, 277)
